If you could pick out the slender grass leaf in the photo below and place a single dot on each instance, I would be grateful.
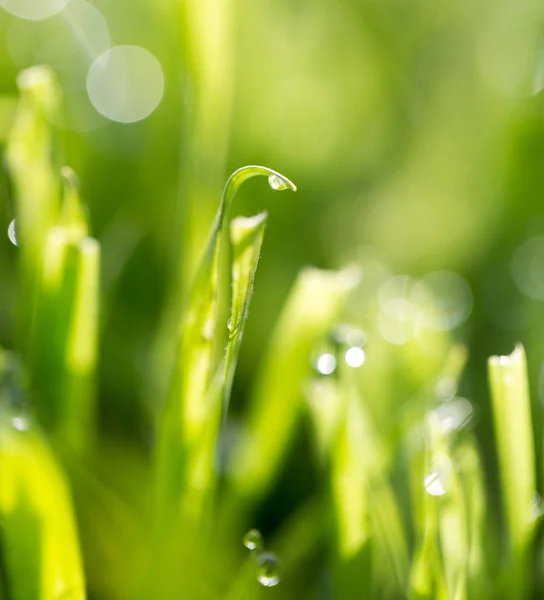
(349, 490)
(515, 446)
(201, 381)
(39, 538)
(63, 358)
(187, 410)
(313, 307)
(34, 175)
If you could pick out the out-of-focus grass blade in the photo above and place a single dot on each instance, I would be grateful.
(34, 176)
(38, 532)
(452, 515)
(313, 307)
(469, 464)
(388, 534)
(515, 446)
(349, 490)
(63, 357)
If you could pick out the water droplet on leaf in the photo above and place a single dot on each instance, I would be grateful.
(277, 183)
(268, 569)
(433, 485)
(12, 233)
(326, 364)
(20, 423)
(355, 357)
(253, 540)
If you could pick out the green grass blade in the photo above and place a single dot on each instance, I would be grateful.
(313, 307)
(349, 491)
(33, 175)
(201, 380)
(39, 539)
(64, 343)
(246, 236)
(470, 468)
(515, 446)
(196, 365)
(186, 410)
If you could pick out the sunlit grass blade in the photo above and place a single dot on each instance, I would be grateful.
(63, 356)
(38, 532)
(186, 411)
(201, 380)
(349, 491)
(313, 307)
(470, 468)
(246, 238)
(389, 536)
(515, 447)
(34, 176)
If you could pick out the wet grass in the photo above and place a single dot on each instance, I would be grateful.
(401, 505)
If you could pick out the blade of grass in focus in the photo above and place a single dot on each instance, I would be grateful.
(515, 447)
(246, 238)
(201, 381)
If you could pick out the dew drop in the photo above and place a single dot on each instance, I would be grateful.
(20, 423)
(12, 233)
(277, 183)
(433, 485)
(454, 414)
(537, 507)
(253, 540)
(355, 357)
(326, 364)
(268, 569)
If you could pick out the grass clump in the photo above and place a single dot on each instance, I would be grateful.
(401, 506)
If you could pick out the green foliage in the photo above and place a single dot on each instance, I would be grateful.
(141, 439)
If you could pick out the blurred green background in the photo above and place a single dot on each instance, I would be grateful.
(414, 131)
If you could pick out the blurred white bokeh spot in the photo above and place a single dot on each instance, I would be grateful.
(450, 302)
(125, 84)
(34, 10)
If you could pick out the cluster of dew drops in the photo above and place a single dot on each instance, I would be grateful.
(352, 341)
(268, 565)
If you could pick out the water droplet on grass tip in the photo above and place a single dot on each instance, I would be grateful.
(253, 540)
(20, 423)
(355, 357)
(326, 364)
(537, 507)
(268, 569)
(454, 414)
(12, 233)
(277, 183)
(433, 485)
